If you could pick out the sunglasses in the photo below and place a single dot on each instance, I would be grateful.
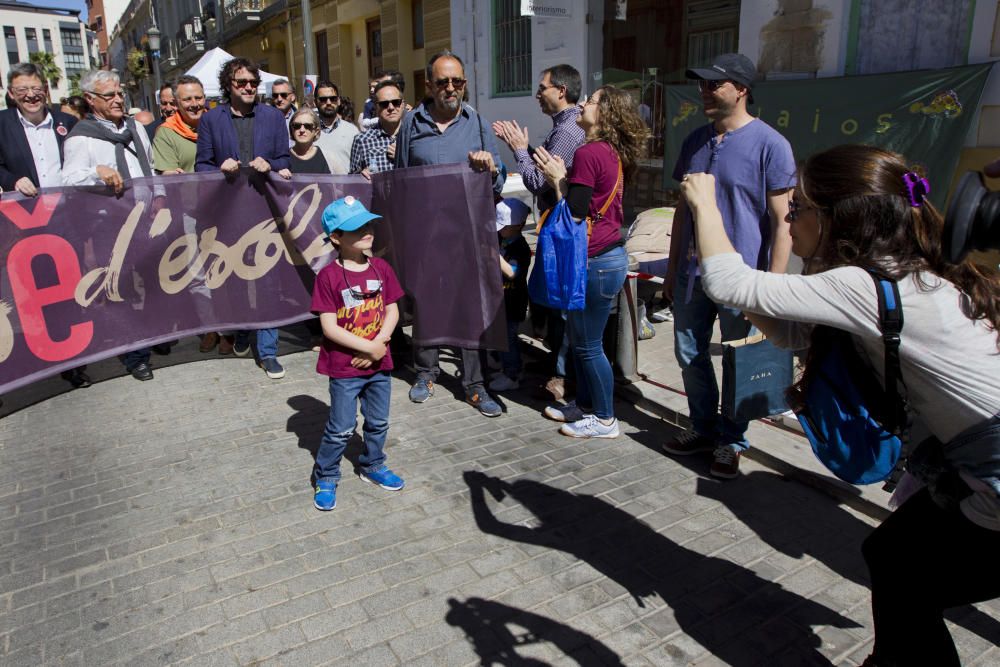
(712, 85)
(328, 98)
(384, 104)
(282, 95)
(303, 126)
(360, 294)
(243, 83)
(455, 81)
(795, 207)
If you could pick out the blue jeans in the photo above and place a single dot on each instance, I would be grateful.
(373, 392)
(267, 342)
(511, 359)
(693, 324)
(595, 383)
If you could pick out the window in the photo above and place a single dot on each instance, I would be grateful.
(10, 37)
(417, 21)
(70, 37)
(47, 36)
(886, 38)
(511, 49)
(322, 56)
(704, 46)
(75, 62)
(31, 37)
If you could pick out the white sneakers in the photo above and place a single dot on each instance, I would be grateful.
(590, 427)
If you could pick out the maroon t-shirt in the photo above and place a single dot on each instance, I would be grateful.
(595, 165)
(358, 315)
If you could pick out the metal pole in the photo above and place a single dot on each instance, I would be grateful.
(307, 37)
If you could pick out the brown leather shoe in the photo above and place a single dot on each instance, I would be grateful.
(208, 342)
(554, 390)
(226, 344)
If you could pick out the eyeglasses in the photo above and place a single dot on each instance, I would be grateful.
(107, 97)
(359, 294)
(712, 85)
(303, 126)
(455, 81)
(24, 90)
(243, 83)
(282, 95)
(384, 104)
(328, 98)
(542, 88)
(795, 207)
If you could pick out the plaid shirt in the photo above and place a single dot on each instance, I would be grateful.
(563, 140)
(368, 151)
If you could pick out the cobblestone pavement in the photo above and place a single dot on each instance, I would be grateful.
(171, 522)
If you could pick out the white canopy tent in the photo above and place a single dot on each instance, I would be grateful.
(209, 65)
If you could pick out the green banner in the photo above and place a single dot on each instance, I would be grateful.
(924, 115)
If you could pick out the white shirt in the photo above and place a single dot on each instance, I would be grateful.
(335, 141)
(84, 155)
(44, 150)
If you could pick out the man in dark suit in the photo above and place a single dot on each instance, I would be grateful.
(241, 132)
(31, 147)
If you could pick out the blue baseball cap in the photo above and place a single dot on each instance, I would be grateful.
(346, 214)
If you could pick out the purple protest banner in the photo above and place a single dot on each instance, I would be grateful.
(89, 275)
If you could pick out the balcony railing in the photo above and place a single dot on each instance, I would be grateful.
(234, 9)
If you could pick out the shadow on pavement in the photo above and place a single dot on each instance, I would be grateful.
(735, 614)
(490, 627)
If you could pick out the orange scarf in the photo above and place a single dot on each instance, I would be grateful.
(180, 127)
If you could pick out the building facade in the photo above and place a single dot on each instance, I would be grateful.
(102, 16)
(29, 29)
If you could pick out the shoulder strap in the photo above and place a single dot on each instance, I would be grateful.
(614, 193)
(890, 316)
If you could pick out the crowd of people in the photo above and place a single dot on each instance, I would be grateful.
(745, 207)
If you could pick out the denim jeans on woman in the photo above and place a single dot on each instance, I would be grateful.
(594, 379)
(373, 392)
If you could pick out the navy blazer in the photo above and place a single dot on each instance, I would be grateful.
(217, 138)
(16, 160)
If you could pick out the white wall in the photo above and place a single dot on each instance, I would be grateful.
(553, 41)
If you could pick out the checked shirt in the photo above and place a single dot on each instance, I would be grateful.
(368, 151)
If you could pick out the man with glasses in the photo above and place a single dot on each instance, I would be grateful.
(109, 149)
(443, 130)
(558, 94)
(754, 172)
(31, 147)
(369, 154)
(284, 98)
(336, 136)
(241, 132)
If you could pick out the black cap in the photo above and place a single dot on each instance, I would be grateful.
(728, 66)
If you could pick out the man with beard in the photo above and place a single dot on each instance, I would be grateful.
(336, 135)
(443, 130)
(107, 138)
(754, 171)
(31, 148)
(558, 93)
(241, 132)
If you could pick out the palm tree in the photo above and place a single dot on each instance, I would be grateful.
(47, 62)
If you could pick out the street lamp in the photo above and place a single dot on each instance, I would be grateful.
(153, 34)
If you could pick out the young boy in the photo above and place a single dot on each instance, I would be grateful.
(515, 256)
(355, 297)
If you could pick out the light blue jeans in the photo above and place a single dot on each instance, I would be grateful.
(693, 324)
(595, 384)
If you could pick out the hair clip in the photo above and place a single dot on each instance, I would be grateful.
(917, 187)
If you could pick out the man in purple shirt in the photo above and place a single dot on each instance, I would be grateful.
(755, 172)
(558, 94)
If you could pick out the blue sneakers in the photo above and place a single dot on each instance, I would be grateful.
(326, 495)
(421, 391)
(483, 402)
(385, 478)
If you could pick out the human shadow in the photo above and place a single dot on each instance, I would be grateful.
(488, 626)
(737, 615)
(822, 531)
(308, 423)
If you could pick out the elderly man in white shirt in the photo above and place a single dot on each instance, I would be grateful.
(109, 149)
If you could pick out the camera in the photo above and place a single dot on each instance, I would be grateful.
(972, 221)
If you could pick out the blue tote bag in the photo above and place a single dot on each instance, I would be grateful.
(559, 277)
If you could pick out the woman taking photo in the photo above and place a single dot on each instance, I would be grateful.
(307, 158)
(615, 139)
(861, 209)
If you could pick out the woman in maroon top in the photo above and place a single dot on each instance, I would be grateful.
(615, 139)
